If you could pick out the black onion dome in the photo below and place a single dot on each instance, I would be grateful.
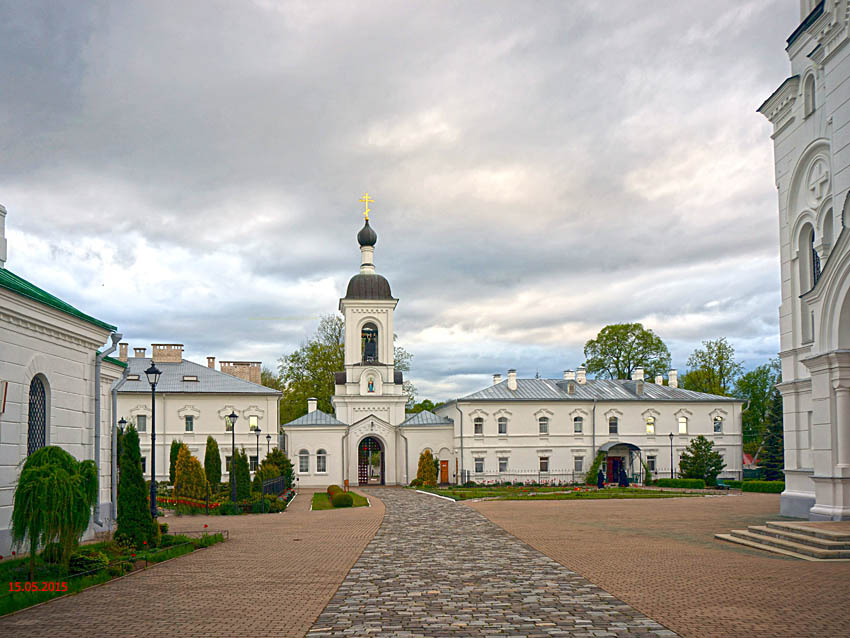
(367, 236)
(364, 286)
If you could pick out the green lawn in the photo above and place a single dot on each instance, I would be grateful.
(549, 493)
(321, 501)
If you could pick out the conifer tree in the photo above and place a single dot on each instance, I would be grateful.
(278, 458)
(212, 463)
(701, 461)
(135, 523)
(190, 480)
(175, 450)
(772, 456)
(427, 472)
(241, 473)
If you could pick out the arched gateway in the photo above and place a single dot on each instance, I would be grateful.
(370, 462)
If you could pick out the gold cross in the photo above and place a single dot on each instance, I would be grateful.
(366, 199)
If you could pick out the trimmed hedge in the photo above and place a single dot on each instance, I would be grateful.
(333, 489)
(771, 487)
(342, 499)
(694, 484)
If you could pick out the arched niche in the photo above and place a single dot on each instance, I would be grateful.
(369, 342)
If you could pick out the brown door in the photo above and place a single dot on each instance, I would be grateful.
(444, 471)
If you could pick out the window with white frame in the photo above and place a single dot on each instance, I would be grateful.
(141, 423)
(544, 463)
(503, 425)
(650, 425)
(479, 464)
(227, 463)
(718, 424)
(650, 462)
(543, 424)
(578, 464)
(612, 425)
(253, 422)
(321, 461)
(478, 425)
(683, 425)
(578, 424)
(303, 461)
(144, 464)
(254, 461)
(503, 463)
(189, 423)
(228, 426)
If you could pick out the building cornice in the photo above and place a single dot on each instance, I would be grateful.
(777, 108)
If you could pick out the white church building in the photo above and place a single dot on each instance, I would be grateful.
(517, 429)
(810, 113)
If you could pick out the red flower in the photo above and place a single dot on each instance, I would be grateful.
(13, 553)
(132, 555)
(145, 542)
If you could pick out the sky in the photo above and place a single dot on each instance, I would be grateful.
(190, 172)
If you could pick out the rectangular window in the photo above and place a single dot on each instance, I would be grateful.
(303, 463)
(579, 463)
(144, 465)
(190, 423)
(253, 423)
(227, 463)
(254, 463)
(718, 425)
(141, 423)
(479, 465)
(612, 425)
(683, 425)
(544, 463)
(543, 425)
(650, 462)
(503, 463)
(503, 425)
(578, 425)
(228, 426)
(478, 424)
(650, 425)
(321, 463)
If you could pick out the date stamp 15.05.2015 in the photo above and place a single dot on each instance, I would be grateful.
(44, 585)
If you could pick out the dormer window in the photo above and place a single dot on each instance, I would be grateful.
(132, 377)
(190, 377)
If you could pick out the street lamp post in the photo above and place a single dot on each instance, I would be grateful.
(122, 422)
(671, 455)
(232, 416)
(153, 373)
(257, 432)
(268, 444)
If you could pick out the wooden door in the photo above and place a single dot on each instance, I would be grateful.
(444, 471)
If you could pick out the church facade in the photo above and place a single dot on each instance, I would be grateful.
(547, 430)
(810, 113)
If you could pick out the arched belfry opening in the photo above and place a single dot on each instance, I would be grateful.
(369, 343)
(370, 462)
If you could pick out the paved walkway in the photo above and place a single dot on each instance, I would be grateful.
(437, 568)
(272, 578)
(661, 557)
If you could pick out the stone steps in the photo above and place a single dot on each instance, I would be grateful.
(798, 540)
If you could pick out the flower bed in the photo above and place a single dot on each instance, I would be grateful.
(257, 504)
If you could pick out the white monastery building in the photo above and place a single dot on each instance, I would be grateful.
(54, 388)
(517, 429)
(810, 113)
(195, 401)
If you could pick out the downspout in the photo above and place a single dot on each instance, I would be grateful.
(406, 458)
(593, 429)
(98, 362)
(115, 443)
(457, 407)
(344, 456)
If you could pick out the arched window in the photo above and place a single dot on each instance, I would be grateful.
(303, 461)
(683, 425)
(815, 261)
(37, 418)
(543, 424)
(503, 425)
(650, 425)
(578, 424)
(321, 461)
(478, 425)
(718, 425)
(806, 258)
(369, 342)
(809, 95)
(612, 425)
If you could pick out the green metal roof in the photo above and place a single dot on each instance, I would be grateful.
(12, 282)
(118, 362)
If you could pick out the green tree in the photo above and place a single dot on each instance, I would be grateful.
(212, 463)
(270, 379)
(190, 480)
(712, 368)
(756, 387)
(772, 455)
(620, 348)
(425, 404)
(427, 472)
(701, 461)
(53, 501)
(241, 473)
(277, 458)
(175, 450)
(134, 515)
(265, 472)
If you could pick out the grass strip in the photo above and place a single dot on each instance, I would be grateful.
(321, 501)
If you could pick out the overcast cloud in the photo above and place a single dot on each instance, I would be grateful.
(190, 171)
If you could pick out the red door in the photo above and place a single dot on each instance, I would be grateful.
(614, 464)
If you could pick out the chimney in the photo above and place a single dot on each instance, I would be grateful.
(659, 380)
(637, 373)
(139, 353)
(312, 404)
(2, 236)
(122, 351)
(167, 352)
(673, 378)
(245, 370)
(211, 362)
(581, 375)
(511, 379)
(569, 375)
(497, 378)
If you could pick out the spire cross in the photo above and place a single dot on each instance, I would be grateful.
(366, 200)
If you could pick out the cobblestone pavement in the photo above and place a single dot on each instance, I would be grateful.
(661, 557)
(272, 578)
(437, 568)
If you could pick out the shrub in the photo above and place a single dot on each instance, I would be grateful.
(243, 475)
(135, 524)
(52, 553)
(416, 483)
(163, 528)
(87, 561)
(212, 463)
(278, 458)
(173, 458)
(426, 471)
(694, 484)
(770, 487)
(342, 499)
(701, 461)
(647, 479)
(593, 470)
(333, 489)
(191, 481)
